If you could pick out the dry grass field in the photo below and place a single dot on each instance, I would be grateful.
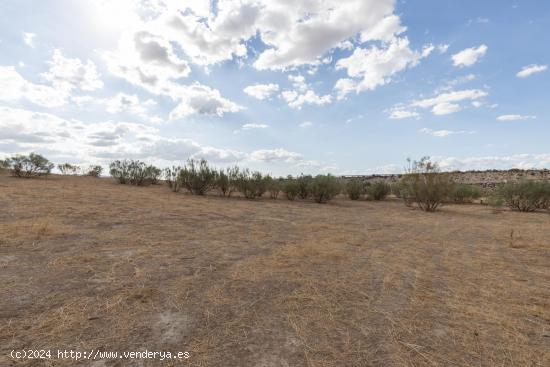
(89, 264)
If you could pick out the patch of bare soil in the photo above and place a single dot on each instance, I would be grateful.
(89, 264)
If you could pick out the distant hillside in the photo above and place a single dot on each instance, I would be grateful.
(487, 178)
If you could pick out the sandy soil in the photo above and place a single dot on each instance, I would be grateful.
(89, 264)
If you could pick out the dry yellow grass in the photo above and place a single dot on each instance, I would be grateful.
(89, 264)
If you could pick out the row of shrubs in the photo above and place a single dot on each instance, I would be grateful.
(75, 170)
(422, 184)
(197, 177)
(523, 196)
(36, 165)
(429, 188)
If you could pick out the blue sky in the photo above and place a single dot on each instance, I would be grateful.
(286, 87)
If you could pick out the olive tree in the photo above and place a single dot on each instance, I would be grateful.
(94, 171)
(355, 188)
(171, 176)
(323, 188)
(198, 177)
(134, 172)
(525, 196)
(68, 169)
(27, 166)
(425, 185)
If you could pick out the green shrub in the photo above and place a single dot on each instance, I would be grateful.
(223, 184)
(198, 177)
(425, 185)
(525, 196)
(134, 172)
(291, 188)
(378, 190)
(355, 188)
(68, 169)
(3, 165)
(463, 193)
(323, 188)
(303, 182)
(261, 182)
(496, 203)
(172, 177)
(27, 166)
(250, 184)
(274, 187)
(94, 171)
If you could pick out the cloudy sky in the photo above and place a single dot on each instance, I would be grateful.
(288, 86)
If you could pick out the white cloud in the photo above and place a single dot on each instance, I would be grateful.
(442, 48)
(469, 56)
(305, 124)
(220, 155)
(15, 87)
(100, 142)
(149, 61)
(67, 74)
(460, 80)
(200, 99)
(477, 104)
(216, 38)
(254, 126)
(385, 30)
(146, 60)
(130, 103)
(261, 91)
(298, 82)
(301, 32)
(398, 114)
(274, 155)
(295, 33)
(303, 94)
(445, 108)
(515, 117)
(446, 103)
(444, 133)
(297, 100)
(373, 67)
(28, 38)
(530, 70)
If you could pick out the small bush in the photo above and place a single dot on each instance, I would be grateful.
(496, 203)
(355, 188)
(425, 185)
(27, 166)
(525, 196)
(68, 169)
(323, 188)
(247, 183)
(274, 187)
(378, 190)
(94, 171)
(303, 182)
(291, 188)
(134, 172)
(463, 193)
(198, 177)
(3, 165)
(223, 184)
(172, 178)
(261, 182)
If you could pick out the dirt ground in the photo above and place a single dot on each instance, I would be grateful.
(87, 264)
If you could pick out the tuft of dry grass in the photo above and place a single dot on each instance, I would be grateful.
(96, 265)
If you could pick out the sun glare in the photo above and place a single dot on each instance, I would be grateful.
(114, 16)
